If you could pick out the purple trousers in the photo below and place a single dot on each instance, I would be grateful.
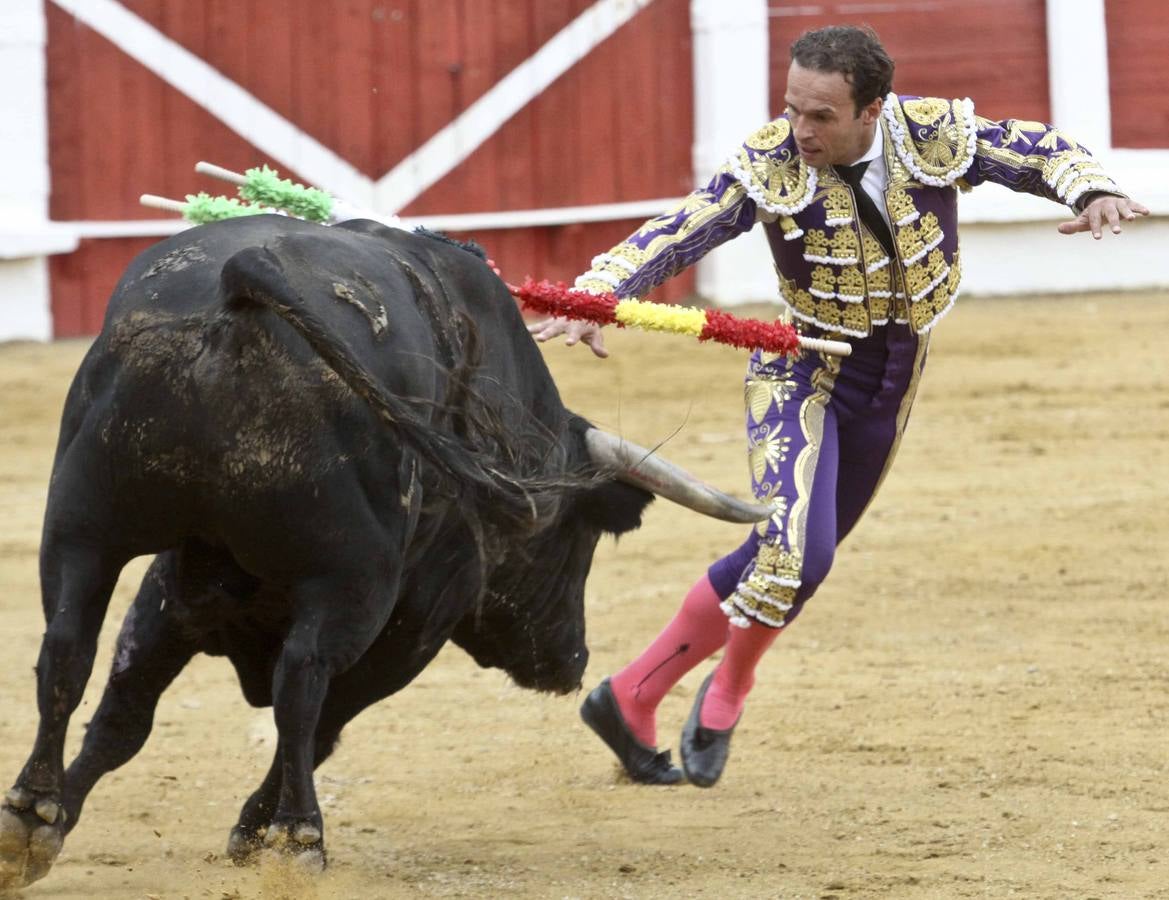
(821, 434)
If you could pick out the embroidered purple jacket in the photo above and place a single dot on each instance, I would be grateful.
(832, 271)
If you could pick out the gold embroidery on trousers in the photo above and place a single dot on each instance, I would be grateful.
(767, 451)
(768, 593)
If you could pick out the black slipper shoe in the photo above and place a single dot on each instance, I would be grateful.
(645, 765)
(704, 750)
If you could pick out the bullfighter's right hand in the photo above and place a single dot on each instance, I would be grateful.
(588, 332)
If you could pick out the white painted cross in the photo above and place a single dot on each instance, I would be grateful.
(286, 142)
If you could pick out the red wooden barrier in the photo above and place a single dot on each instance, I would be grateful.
(993, 51)
(372, 81)
(1138, 33)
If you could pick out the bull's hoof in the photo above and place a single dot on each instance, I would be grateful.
(32, 831)
(244, 844)
(298, 842)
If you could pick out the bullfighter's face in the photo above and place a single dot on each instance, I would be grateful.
(827, 126)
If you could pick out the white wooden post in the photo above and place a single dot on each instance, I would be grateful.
(731, 50)
(1077, 68)
(25, 233)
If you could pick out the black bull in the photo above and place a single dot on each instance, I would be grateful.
(345, 450)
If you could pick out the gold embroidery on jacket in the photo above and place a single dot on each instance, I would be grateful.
(932, 286)
(770, 135)
(940, 145)
(838, 206)
(909, 241)
(926, 110)
(845, 244)
(850, 284)
(789, 226)
(901, 208)
(930, 230)
(879, 277)
(917, 280)
(816, 243)
(855, 319)
(699, 208)
(1017, 130)
(823, 282)
(779, 180)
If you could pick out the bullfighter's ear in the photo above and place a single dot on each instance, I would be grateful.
(613, 506)
(872, 112)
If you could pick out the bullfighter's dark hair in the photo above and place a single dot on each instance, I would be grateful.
(854, 52)
(469, 246)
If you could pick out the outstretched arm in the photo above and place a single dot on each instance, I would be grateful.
(659, 249)
(1037, 158)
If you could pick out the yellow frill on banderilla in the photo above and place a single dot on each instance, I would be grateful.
(659, 317)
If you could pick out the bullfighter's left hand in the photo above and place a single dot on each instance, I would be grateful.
(1106, 209)
(588, 333)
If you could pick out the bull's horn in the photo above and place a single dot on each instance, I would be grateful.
(637, 466)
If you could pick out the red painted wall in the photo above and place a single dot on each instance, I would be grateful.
(993, 51)
(1138, 69)
(372, 80)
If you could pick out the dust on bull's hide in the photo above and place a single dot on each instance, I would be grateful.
(177, 260)
(264, 429)
(160, 344)
(378, 318)
(140, 440)
(272, 431)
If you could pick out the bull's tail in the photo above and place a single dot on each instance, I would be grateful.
(505, 499)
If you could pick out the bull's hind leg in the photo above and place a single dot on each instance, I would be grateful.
(152, 649)
(335, 620)
(371, 679)
(77, 579)
(299, 685)
(255, 819)
(247, 835)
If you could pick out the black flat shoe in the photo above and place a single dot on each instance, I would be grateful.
(704, 750)
(645, 765)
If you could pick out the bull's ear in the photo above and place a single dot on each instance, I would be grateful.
(613, 506)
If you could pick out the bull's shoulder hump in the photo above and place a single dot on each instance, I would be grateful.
(428, 244)
(219, 240)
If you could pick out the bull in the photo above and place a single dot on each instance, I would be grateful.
(343, 450)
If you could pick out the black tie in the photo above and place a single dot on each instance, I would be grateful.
(869, 214)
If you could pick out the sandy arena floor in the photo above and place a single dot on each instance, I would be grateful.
(975, 705)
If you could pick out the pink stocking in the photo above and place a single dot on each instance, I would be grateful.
(735, 676)
(697, 631)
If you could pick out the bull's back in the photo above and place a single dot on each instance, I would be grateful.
(190, 416)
